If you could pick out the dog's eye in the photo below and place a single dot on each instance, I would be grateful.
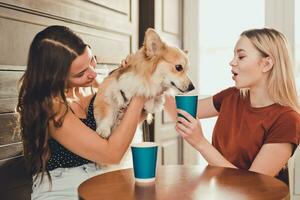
(179, 67)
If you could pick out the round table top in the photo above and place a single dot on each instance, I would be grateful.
(185, 182)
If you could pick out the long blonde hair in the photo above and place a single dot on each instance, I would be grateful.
(281, 82)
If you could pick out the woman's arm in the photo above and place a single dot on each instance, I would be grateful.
(191, 131)
(81, 140)
(266, 163)
(205, 108)
(278, 147)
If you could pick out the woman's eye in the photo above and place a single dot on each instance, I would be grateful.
(241, 57)
(179, 67)
(79, 75)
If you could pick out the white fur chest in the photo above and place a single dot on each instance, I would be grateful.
(133, 84)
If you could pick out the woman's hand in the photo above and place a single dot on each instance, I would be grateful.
(170, 106)
(124, 63)
(138, 102)
(189, 128)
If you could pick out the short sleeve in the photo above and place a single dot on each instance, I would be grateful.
(218, 98)
(286, 129)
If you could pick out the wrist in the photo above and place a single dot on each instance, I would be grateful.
(138, 102)
(136, 107)
(202, 144)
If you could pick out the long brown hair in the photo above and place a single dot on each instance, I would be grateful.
(50, 56)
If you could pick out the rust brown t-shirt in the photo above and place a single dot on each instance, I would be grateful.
(242, 130)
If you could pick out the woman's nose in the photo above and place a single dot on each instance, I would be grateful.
(92, 74)
(232, 62)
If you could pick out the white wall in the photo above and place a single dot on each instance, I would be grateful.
(280, 15)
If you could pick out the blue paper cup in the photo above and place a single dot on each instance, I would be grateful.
(144, 156)
(187, 103)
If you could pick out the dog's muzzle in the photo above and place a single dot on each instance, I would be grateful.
(189, 88)
(172, 83)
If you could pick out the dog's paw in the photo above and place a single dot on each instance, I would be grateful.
(103, 132)
(149, 118)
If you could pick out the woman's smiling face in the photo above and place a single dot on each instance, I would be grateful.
(247, 65)
(82, 71)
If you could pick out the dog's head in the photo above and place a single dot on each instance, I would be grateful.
(169, 64)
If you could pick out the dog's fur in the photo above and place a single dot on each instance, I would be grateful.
(153, 70)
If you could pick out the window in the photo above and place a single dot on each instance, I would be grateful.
(221, 23)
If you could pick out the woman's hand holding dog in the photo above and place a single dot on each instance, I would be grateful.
(124, 63)
(138, 102)
(190, 129)
(170, 106)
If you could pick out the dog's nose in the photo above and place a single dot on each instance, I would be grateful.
(191, 87)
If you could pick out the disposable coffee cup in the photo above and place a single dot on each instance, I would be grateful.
(144, 156)
(188, 104)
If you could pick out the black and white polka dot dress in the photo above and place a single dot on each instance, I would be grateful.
(62, 157)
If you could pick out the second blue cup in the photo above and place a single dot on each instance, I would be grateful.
(188, 104)
(144, 157)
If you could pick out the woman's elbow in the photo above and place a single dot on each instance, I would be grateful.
(109, 159)
(114, 160)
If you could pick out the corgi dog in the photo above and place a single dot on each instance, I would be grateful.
(155, 69)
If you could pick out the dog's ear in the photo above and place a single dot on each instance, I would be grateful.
(152, 43)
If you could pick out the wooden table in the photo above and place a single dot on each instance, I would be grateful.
(185, 182)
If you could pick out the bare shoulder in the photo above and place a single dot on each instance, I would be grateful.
(59, 108)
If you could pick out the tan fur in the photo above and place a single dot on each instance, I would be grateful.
(101, 109)
(150, 72)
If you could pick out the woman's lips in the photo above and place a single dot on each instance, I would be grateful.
(234, 75)
(90, 82)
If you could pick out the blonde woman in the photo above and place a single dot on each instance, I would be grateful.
(258, 124)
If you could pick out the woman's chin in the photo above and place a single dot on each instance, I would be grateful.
(238, 86)
(89, 84)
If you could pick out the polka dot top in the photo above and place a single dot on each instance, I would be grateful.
(62, 157)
